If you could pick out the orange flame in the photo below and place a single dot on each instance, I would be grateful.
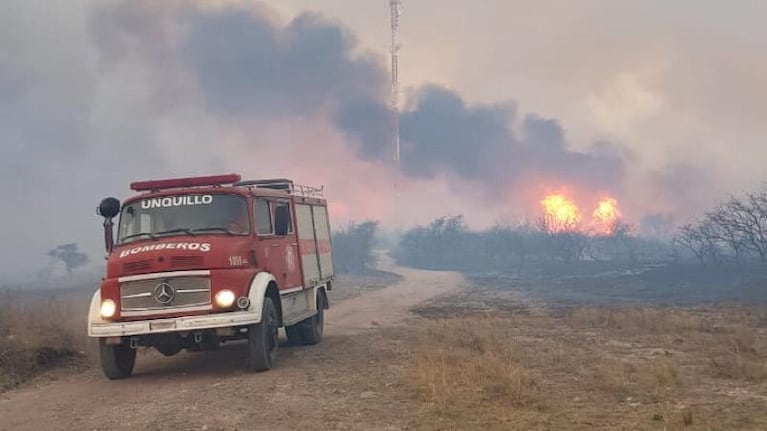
(606, 214)
(560, 213)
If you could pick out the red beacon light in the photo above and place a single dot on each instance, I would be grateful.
(172, 183)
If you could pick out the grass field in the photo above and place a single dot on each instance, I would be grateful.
(508, 366)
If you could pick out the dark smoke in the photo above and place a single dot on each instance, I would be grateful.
(246, 64)
(442, 134)
(439, 134)
(545, 147)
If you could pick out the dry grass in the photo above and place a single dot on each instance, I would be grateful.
(461, 356)
(732, 340)
(461, 365)
(739, 355)
(635, 320)
(594, 368)
(38, 331)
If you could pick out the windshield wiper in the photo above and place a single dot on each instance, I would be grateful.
(185, 230)
(214, 228)
(149, 234)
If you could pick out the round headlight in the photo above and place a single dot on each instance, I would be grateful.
(225, 298)
(108, 308)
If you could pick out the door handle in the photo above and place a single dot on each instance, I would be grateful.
(275, 245)
(294, 244)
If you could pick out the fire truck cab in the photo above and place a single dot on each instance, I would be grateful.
(200, 261)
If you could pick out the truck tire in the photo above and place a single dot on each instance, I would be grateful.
(309, 331)
(117, 360)
(263, 339)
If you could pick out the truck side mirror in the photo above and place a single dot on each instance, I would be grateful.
(281, 220)
(109, 208)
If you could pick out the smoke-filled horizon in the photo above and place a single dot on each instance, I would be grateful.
(97, 96)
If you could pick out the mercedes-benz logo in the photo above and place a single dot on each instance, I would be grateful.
(164, 293)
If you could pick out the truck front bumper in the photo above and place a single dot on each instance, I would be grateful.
(176, 324)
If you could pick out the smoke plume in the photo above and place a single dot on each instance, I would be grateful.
(99, 95)
(246, 64)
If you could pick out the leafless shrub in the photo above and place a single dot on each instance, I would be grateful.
(736, 229)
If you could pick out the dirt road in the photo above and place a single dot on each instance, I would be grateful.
(352, 380)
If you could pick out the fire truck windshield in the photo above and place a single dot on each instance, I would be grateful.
(188, 214)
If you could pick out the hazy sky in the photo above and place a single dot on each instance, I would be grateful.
(659, 104)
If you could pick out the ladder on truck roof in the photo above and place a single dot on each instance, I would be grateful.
(286, 185)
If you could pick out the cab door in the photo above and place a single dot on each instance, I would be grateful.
(280, 251)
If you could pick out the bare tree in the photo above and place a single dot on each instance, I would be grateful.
(750, 222)
(739, 226)
(725, 231)
(758, 204)
(551, 224)
(690, 237)
(563, 239)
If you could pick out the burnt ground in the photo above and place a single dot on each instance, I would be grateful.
(662, 284)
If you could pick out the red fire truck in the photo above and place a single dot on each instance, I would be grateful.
(200, 261)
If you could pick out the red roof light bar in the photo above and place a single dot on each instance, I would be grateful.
(172, 183)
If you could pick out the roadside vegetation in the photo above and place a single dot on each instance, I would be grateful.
(353, 248)
(730, 236)
(356, 260)
(448, 243)
(40, 330)
(590, 367)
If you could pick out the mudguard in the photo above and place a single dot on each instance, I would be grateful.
(257, 293)
(94, 312)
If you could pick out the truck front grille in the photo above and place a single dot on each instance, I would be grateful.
(164, 294)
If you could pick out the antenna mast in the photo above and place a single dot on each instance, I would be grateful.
(395, 7)
(396, 11)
